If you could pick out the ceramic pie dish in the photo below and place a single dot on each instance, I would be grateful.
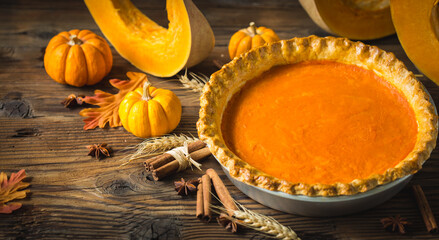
(321, 206)
(317, 117)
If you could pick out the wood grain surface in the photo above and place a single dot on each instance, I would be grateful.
(75, 196)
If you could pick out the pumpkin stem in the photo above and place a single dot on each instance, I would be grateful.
(146, 96)
(74, 40)
(252, 29)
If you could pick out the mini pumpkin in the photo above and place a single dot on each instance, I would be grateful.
(78, 58)
(149, 111)
(249, 38)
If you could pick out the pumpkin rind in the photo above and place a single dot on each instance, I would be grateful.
(248, 38)
(85, 62)
(417, 27)
(150, 47)
(149, 118)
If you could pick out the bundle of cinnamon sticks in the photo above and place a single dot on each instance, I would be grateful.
(165, 164)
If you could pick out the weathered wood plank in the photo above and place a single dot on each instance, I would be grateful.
(76, 196)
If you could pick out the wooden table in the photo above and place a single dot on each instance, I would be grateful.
(76, 196)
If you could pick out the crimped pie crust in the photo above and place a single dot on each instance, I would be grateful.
(231, 77)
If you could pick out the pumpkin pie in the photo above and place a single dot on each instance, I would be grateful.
(318, 117)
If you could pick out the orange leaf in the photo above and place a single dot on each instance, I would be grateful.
(9, 190)
(108, 110)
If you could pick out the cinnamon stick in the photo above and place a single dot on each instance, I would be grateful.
(200, 206)
(222, 192)
(424, 207)
(207, 197)
(165, 158)
(172, 167)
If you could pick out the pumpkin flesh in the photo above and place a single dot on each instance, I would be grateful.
(417, 26)
(149, 46)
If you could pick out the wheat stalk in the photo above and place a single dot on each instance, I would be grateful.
(195, 84)
(158, 145)
(258, 222)
(264, 224)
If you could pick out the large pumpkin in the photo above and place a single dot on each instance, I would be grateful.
(154, 49)
(417, 26)
(149, 111)
(78, 58)
(355, 19)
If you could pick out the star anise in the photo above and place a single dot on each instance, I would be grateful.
(184, 188)
(227, 222)
(73, 101)
(397, 223)
(99, 151)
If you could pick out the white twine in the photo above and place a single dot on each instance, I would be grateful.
(181, 154)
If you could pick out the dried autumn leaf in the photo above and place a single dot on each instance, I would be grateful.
(109, 103)
(9, 190)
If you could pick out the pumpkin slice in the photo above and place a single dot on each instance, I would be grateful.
(417, 26)
(355, 19)
(152, 48)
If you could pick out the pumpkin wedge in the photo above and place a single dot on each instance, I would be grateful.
(417, 26)
(156, 50)
(355, 19)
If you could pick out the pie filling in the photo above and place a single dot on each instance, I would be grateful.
(319, 122)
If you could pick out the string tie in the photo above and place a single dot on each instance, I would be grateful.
(181, 154)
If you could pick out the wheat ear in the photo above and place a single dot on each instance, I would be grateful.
(158, 145)
(259, 222)
(195, 83)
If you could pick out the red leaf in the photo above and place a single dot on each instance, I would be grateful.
(8, 208)
(108, 110)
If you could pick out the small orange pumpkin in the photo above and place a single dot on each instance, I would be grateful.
(149, 111)
(249, 38)
(78, 58)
